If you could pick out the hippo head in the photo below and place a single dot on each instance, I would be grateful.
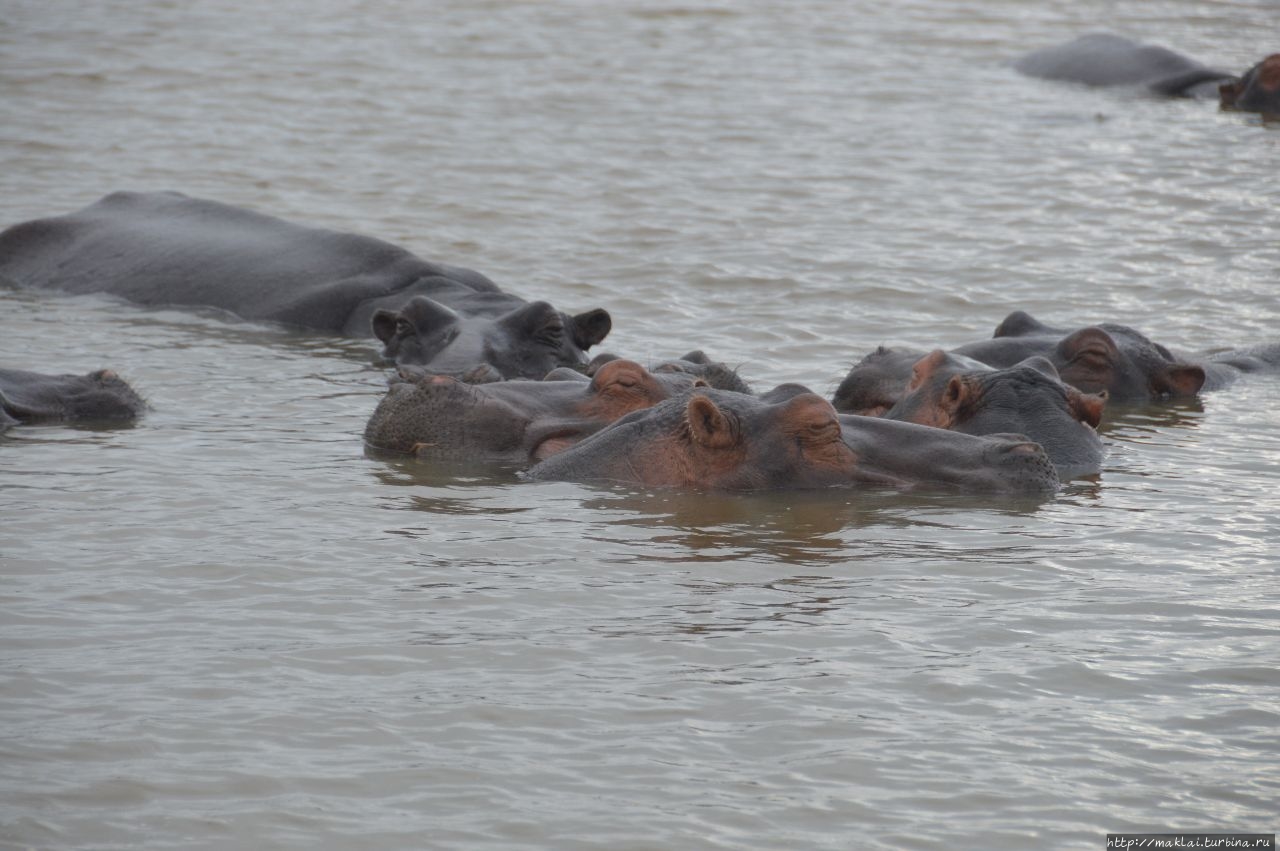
(714, 439)
(1110, 357)
(1028, 399)
(100, 396)
(1257, 91)
(1126, 364)
(436, 416)
(527, 342)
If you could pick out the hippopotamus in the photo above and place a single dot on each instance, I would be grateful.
(1258, 90)
(723, 440)
(716, 374)
(522, 421)
(1103, 59)
(878, 381)
(99, 397)
(165, 248)
(1117, 358)
(951, 391)
(1027, 398)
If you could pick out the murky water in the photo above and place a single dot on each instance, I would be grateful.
(229, 627)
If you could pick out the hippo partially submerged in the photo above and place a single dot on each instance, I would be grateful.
(1118, 359)
(724, 440)
(101, 397)
(164, 248)
(519, 421)
(1103, 59)
(1027, 398)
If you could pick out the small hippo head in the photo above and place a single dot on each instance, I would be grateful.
(1257, 91)
(527, 342)
(1028, 399)
(714, 439)
(99, 397)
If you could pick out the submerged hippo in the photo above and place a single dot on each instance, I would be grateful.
(951, 391)
(1102, 59)
(1117, 359)
(99, 397)
(435, 416)
(1027, 398)
(724, 440)
(164, 248)
(716, 374)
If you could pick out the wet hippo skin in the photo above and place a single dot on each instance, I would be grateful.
(165, 248)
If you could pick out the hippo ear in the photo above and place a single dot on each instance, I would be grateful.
(926, 367)
(696, 356)
(1020, 324)
(958, 395)
(591, 327)
(1086, 407)
(1179, 379)
(708, 425)
(384, 324)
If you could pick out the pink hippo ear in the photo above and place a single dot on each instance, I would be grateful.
(708, 425)
(1086, 407)
(958, 394)
(1179, 379)
(926, 367)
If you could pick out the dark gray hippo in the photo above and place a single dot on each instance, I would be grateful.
(437, 417)
(1103, 59)
(1118, 359)
(100, 397)
(950, 391)
(1027, 398)
(164, 248)
(722, 440)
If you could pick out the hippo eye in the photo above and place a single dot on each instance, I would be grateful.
(551, 334)
(403, 327)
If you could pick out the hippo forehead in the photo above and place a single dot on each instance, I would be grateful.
(525, 343)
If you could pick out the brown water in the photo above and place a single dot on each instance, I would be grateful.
(229, 627)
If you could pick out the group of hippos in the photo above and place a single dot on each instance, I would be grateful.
(483, 375)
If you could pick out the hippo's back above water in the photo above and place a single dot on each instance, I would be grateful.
(1102, 59)
(164, 248)
(167, 249)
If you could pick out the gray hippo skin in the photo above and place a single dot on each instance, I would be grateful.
(1103, 59)
(722, 440)
(521, 421)
(716, 374)
(1027, 398)
(99, 397)
(167, 249)
(1118, 359)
